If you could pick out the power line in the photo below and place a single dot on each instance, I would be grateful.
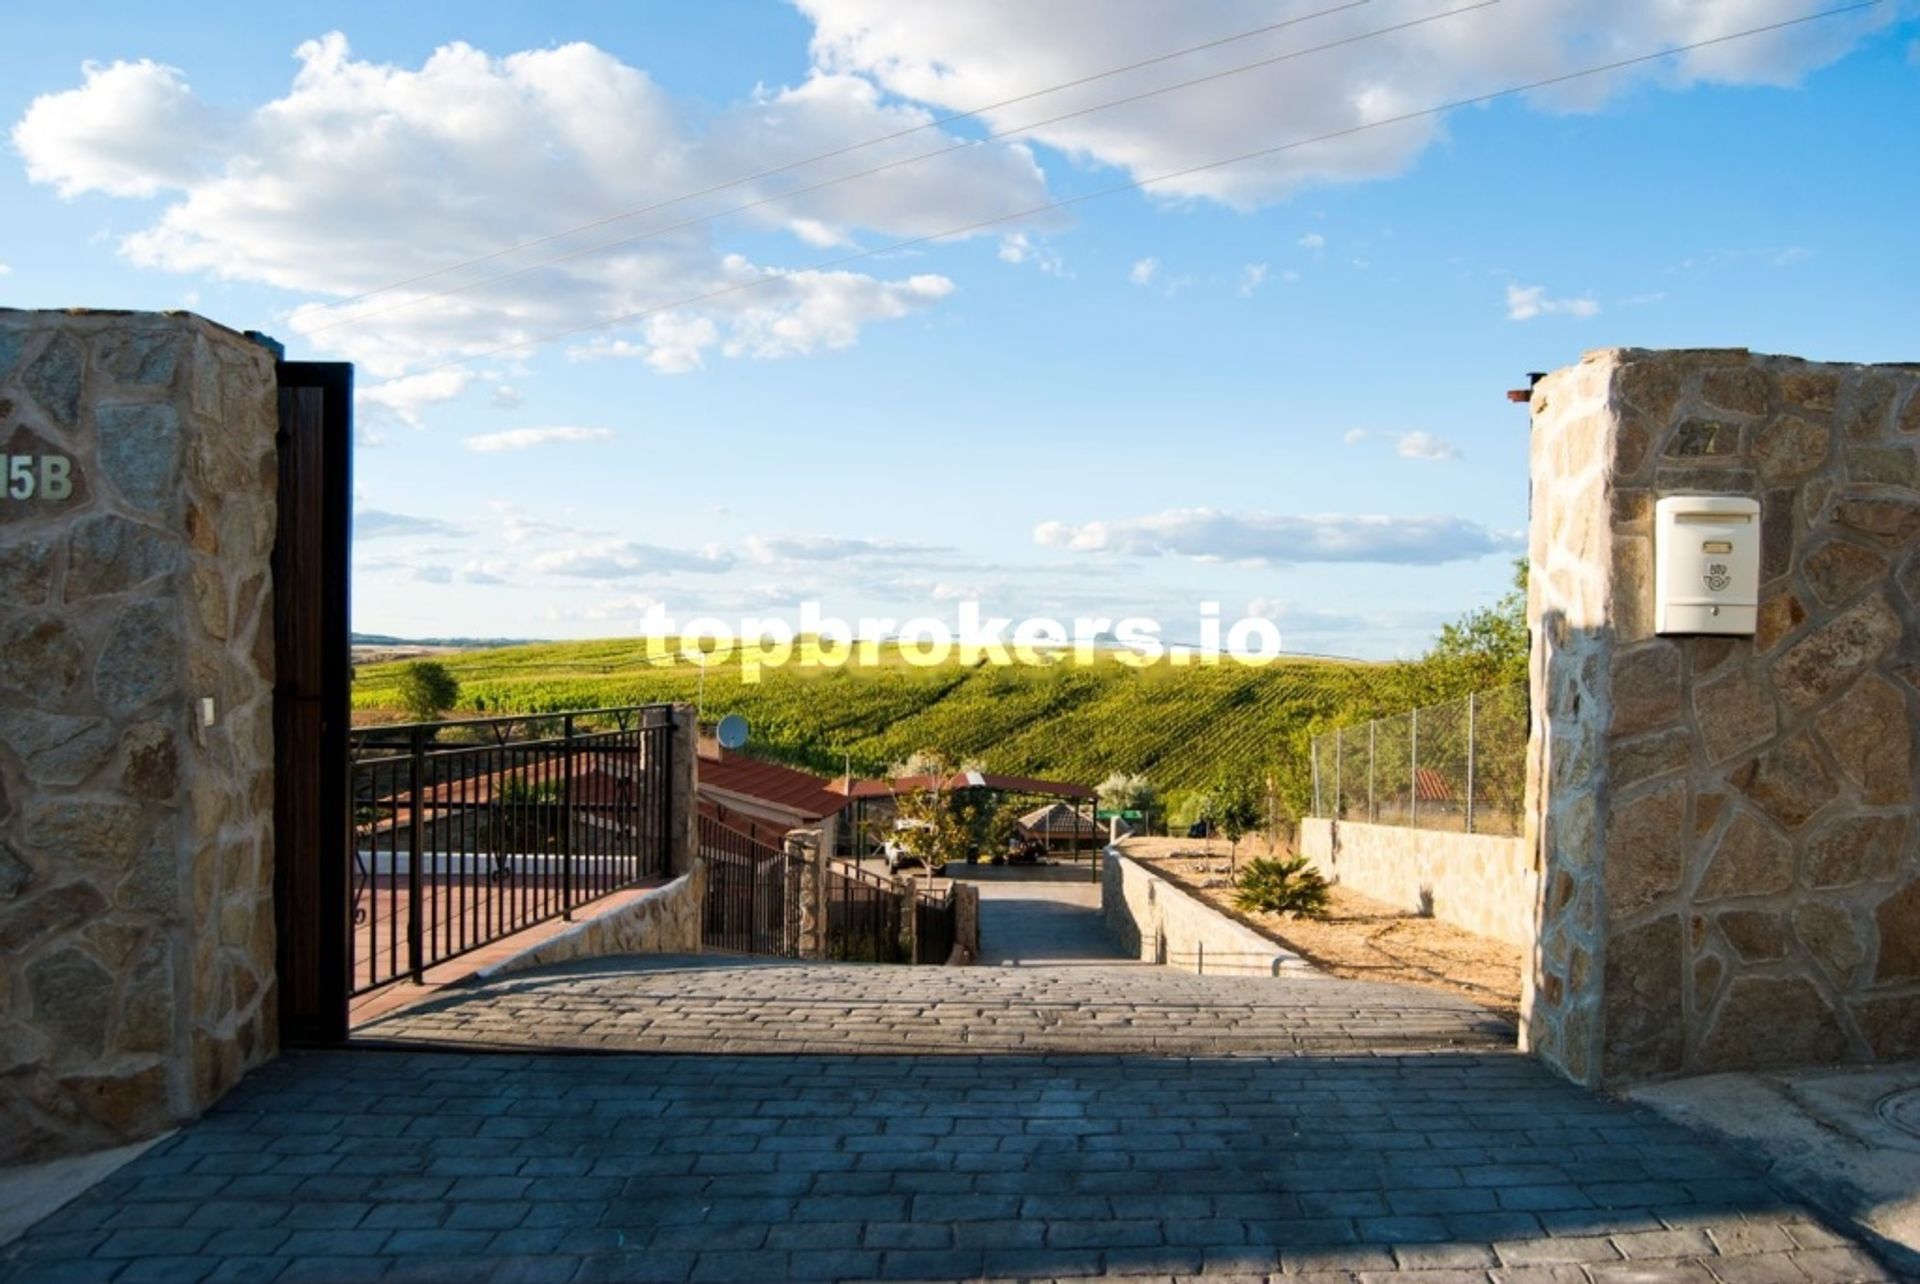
(1139, 184)
(933, 123)
(960, 145)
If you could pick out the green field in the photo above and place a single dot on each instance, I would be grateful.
(1186, 728)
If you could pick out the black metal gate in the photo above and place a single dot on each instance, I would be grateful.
(746, 906)
(935, 917)
(466, 832)
(864, 912)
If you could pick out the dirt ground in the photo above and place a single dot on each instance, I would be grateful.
(1360, 939)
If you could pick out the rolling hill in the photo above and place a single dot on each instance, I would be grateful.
(1184, 727)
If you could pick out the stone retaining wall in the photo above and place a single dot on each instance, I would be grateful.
(1157, 922)
(1726, 825)
(664, 920)
(1483, 883)
(136, 860)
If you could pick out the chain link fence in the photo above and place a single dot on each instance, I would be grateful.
(1460, 766)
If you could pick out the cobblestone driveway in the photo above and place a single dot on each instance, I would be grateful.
(1312, 1130)
(710, 1003)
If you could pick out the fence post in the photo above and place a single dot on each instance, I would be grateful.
(1337, 755)
(416, 843)
(1373, 807)
(1313, 761)
(1470, 730)
(1413, 767)
(566, 818)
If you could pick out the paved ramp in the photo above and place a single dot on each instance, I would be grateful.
(1050, 981)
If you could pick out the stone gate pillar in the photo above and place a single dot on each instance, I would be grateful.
(1725, 827)
(136, 723)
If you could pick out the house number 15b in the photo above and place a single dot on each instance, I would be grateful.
(37, 476)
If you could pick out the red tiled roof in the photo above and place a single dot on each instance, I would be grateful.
(963, 780)
(785, 787)
(1432, 786)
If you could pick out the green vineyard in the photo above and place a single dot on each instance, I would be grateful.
(1185, 728)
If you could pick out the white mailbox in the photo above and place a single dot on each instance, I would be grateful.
(1706, 564)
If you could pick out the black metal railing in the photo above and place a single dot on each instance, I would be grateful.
(934, 921)
(746, 909)
(865, 916)
(469, 831)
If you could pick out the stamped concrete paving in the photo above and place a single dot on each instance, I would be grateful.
(1311, 1130)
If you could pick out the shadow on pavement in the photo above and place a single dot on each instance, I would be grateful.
(361, 1165)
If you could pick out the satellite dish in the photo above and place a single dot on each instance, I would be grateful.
(732, 731)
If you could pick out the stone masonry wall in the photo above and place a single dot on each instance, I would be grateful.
(136, 864)
(1482, 883)
(660, 920)
(1725, 826)
(1156, 922)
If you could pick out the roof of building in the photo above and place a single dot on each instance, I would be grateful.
(1058, 818)
(788, 788)
(962, 780)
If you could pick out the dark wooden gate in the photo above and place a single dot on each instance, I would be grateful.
(313, 667)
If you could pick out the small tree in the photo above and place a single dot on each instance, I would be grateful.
(427, 689)
(1126, 791)
(1239, 814)
(942, 825)
(1202, 808)
(1490, 644)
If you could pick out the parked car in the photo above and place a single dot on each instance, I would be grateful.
(1200, 829)
(898, 855)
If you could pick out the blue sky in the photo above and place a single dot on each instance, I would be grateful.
(1278, 387)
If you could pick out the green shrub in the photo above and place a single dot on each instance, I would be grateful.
(427, 689)
(1281, 885)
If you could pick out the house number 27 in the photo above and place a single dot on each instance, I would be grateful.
(37, 476)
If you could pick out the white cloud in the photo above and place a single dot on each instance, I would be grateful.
(1525, 302)
(1312, 242)
(491, 443)
(365, 173)
(626, 559)
(1252, 277)
(1142, 272)
(1407, 445)
(406, 399)
(958, 56)
(1274, 539)
(374, 523)
(5, 270)
(433, 574)
(824, 548)
(1018, 247)
(506, 397)
(484, 571)
(130, 129)
(1424, 445)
